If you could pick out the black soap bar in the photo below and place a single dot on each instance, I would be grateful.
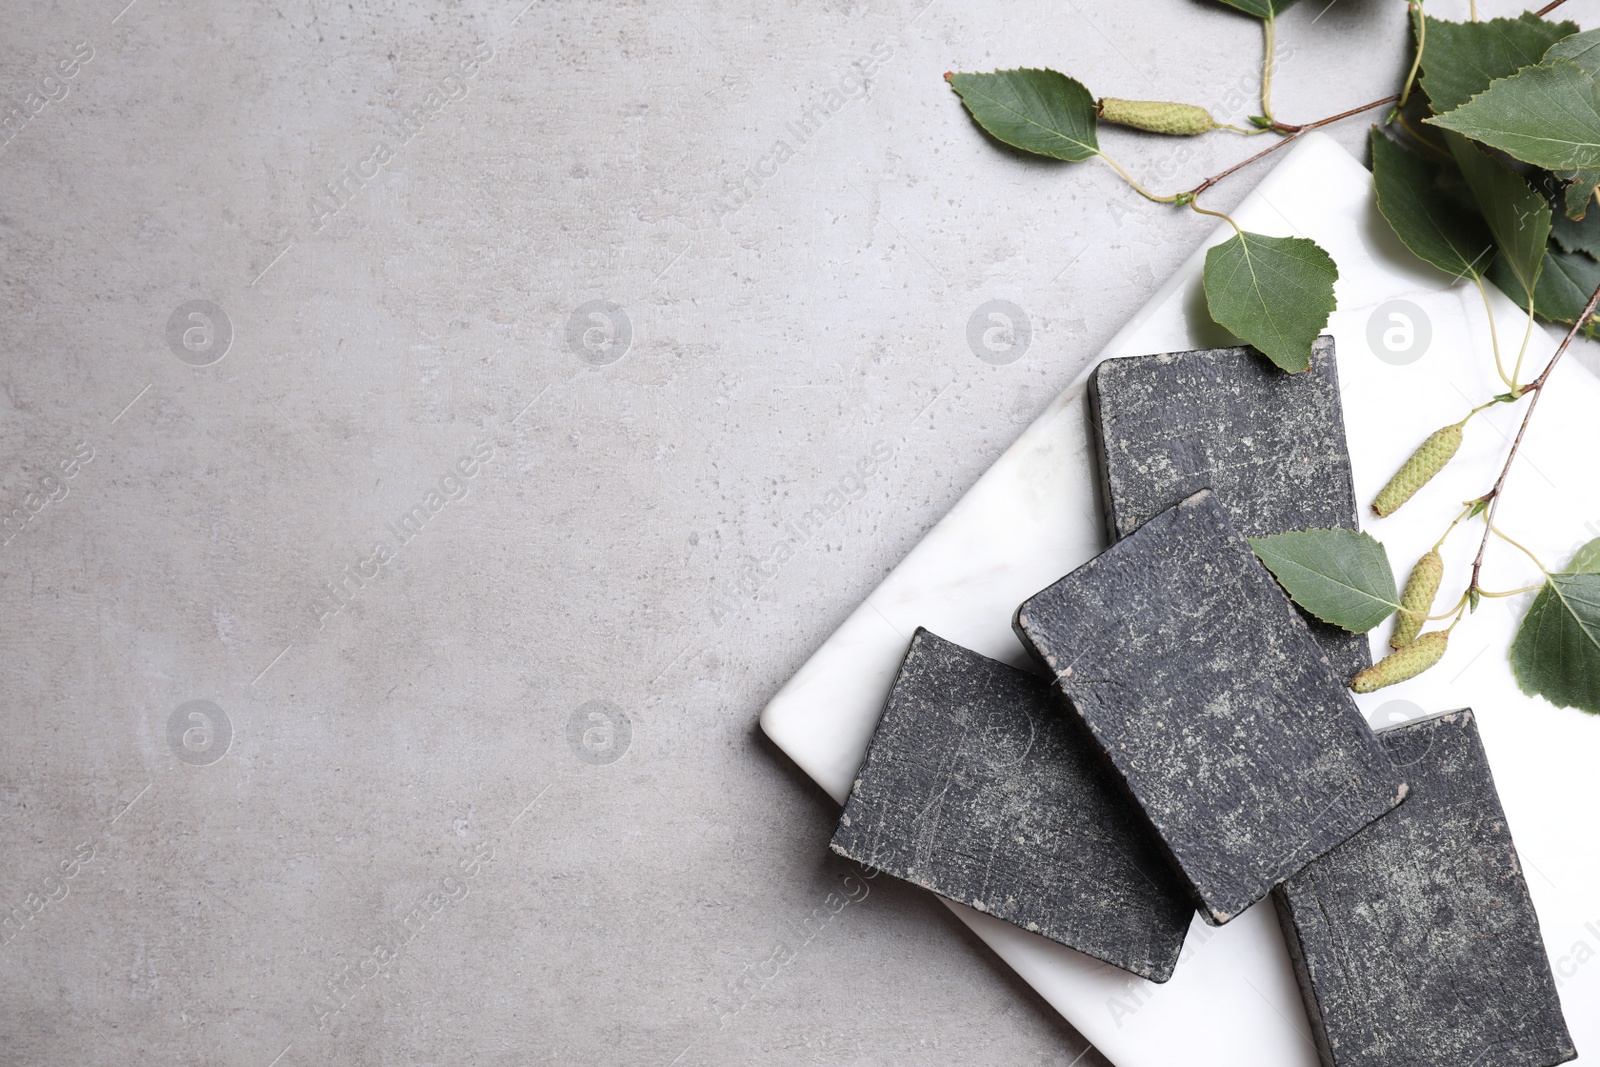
(1200, 682)
(978, 787)
(1272, 446)
(1416, 942)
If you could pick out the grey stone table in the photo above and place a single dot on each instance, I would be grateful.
(432, 431)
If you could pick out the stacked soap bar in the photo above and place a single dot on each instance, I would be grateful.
(1271, 445)
(1191, 746)
(978, 788)
(1201, 684)
(1416, 942)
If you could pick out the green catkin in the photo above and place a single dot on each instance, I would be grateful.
(1419, 470)
(1417, 601)
(1158, 116)
(1404, 664)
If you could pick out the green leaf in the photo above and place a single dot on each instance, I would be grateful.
(1556, 654)
(1577, 236)
(1547, 116)
(1517, 215)
(1455, 241)
(1462, 58)
(1272, 292)
(1582, 48)
(1261, 9)
(1579, 194)
(1565, 285)
(1340, 576)
(1408, 127)
(1587, 561)
(1038, 111)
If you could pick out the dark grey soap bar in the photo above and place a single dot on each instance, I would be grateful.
(1200, 682)
(1272, 446)
(1415, 941)
(978, 787)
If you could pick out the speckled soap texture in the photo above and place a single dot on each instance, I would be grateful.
(1272, 445)
(1200, 682)
(1416, 942)
(978, 787)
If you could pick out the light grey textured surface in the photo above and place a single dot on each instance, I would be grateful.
(638, 537)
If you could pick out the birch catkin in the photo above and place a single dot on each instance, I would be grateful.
(1404, 664)
(1158, 116)
(1428, 460)
(1417, 601)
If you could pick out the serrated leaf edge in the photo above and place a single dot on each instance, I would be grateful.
(1394, 605)
(1255, 284)
(1093, 150)
(1516, 672)
(1433, 120)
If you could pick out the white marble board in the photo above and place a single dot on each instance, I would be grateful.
(1034, 515)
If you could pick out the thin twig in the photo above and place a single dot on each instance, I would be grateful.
(1536, 387)
(1294, 132)
(1285, 128)
(1546, 9)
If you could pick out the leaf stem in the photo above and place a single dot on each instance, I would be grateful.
(1217, 215)
(1523, 548)
(1494, 335)
(1456, 610)
(1422, 142)
(1270, 27)
(1141, 190)
(1537, 388)
(1509, 592)
(1527, 334)
(1422, 40)
(1545, 10)
(1465, 512)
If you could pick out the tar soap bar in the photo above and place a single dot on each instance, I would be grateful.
(1272, 446)
(978, 787)
(1416, 942)
(1200, 682)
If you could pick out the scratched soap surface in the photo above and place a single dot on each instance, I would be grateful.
(1416, 942)
(978, 787)
(1200, 682)
(1272, 446)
